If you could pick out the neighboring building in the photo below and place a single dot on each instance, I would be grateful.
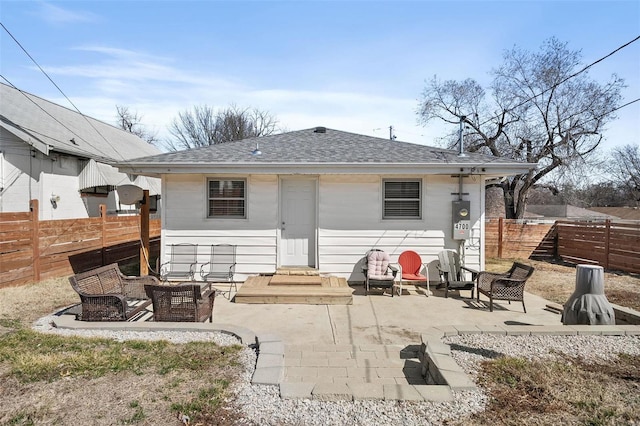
(64, 159)
(624, 213)
(563, 211)
(322, 198)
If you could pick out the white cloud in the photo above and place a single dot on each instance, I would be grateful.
(158, 90)
(56, 15)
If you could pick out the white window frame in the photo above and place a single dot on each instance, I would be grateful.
(384, 199)
(209, 198)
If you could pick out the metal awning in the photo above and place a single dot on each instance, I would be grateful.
(152, 184)
(99, 174)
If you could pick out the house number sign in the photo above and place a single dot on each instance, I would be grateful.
(461, 220)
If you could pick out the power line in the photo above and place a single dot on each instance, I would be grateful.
(60, 90)
(56, 120)
(616, 109)
(562, 81)
(586, 121)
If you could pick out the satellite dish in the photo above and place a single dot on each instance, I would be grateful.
(129, 194)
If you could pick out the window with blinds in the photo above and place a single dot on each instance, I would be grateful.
(402, 199)
(227, 198)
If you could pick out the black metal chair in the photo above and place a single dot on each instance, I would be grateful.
(379, 273)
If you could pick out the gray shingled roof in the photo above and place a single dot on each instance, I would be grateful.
(311, 147)
(48, 126)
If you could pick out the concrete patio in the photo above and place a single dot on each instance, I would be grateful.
(380, 347)
(379, 318)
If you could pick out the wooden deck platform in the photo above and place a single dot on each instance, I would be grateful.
(299, 289)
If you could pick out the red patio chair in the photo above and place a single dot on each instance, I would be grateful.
(411, 266)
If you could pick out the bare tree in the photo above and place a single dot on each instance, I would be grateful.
(537, 109)
(203, 126)
(625, 170)
(132, 123)
(604, 194)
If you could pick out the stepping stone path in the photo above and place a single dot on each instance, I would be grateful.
(332, 372)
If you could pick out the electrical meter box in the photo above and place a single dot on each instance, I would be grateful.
(461, 220)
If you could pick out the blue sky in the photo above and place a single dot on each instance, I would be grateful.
(357, 66)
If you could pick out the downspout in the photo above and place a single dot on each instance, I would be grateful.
(1, 179)
(31, 157)
(461, 243)
(461, 154)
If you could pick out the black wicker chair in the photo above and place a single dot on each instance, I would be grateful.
(508, 286)
(108, 295)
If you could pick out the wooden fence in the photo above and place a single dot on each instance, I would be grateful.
(508, 238)
(613, 245)
(32, 250)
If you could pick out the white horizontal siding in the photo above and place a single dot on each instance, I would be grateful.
(349, 222)
(17, 187)
(350, 216)
(185, 221)
(26, 175)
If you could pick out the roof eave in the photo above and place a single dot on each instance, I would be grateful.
(490, 170)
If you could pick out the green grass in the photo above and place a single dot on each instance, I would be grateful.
(10, 323)
(22, 419)
(29, 357)
(36, 356)
(206, 401)
(565, 390)
(138, 414)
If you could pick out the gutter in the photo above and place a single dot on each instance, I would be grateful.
(492, 171)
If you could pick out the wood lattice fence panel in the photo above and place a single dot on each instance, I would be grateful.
(32, 250)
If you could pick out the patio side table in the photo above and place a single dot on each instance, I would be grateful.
(184, 302)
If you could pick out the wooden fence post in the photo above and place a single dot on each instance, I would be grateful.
(556, 241)
(607, 242)
(144, 234)
(500, 225)
(35, 238)
(103, 232)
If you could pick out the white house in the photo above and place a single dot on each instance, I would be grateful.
(322, 198)
(64, 159)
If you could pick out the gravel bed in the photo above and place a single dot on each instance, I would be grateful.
(44, 325)
(261, 405)
(468, 350)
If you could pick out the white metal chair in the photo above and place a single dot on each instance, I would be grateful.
(221, 267)
(182, 263)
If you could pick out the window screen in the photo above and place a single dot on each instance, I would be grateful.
(402, 199)
(227, 198)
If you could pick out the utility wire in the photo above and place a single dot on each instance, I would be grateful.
(586, 121)
(561, 82)
(60, 90)
(77, 148)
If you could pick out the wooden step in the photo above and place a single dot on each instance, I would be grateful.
(297, 270)
(310, 290)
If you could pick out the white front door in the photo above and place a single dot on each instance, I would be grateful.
(298, 222)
